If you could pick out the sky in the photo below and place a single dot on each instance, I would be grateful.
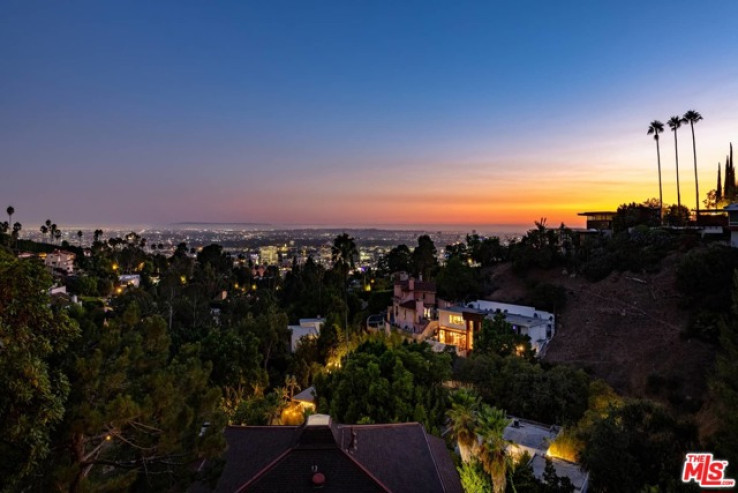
(357, 112)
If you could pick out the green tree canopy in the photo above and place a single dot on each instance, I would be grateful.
(33, 387)
(137, 418)
(385, 384)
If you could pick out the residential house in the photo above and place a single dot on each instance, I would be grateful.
(524, 436)
(130, 280)
(306, 399)
(457, 326)
(331, 457)
(599, 220)
(60, 260)
(539, 325)
(413, 304)
(309, 327)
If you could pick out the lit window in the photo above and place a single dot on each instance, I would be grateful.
(456, 319)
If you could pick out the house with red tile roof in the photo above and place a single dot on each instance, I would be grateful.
(413, 304)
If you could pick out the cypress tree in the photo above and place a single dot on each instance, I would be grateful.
(719, 189)
(731, 196)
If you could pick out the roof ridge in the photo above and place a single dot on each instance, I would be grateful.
(433, 459)
(364, 469)
(381, 425)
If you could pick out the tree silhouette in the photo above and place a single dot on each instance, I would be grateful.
(10, 210)
(16, 233)
(343, 253)
(655, 128)
(44, 231)
(674, 123)
(693, 117)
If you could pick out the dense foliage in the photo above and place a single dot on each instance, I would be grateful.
(33, 385)
(381, 383)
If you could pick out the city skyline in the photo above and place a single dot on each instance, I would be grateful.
(357, 113)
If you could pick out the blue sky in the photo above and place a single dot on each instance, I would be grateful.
(356, 112)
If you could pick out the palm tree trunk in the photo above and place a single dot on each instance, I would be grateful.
(696, 182)
(661, 191)
(676, 155)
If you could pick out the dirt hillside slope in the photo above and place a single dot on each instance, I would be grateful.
(624, 329)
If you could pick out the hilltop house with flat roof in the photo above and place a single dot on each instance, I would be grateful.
(599, 220)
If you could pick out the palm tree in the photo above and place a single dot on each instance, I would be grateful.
(79, 236)
(693, 117)
(57, 234)
(655, 128)
(290, 383)
(674, 123)
(44, 231)
(10, 210)
(493, 447)
(463, 415)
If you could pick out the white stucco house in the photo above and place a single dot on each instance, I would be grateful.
(539, 325)
(309, 327)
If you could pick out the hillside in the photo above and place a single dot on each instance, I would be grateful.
(626, 330)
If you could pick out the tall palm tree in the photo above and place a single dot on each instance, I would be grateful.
(655, 128)
(674, 123)
(44, 231)
(10, 210)
(463, 415)
(493, 447)
(79, 237)
(693, 117)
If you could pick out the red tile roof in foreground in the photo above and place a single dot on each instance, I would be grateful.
(398, 458)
